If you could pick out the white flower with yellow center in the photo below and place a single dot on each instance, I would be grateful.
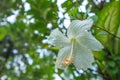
(76, 46)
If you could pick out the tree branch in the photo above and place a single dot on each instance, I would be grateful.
(107, 31)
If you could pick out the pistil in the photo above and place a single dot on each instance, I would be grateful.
(69, 59)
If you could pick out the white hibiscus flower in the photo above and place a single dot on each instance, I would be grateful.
(76, 46)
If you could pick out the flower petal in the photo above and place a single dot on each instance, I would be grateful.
(63, 52)
(76, 26)
(57, 39)
(83, 58)
(89, 41)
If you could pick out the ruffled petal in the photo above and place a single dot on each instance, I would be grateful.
(63, 53)
(57, 39)
(77, 26)
(88, 41)
(83, 58)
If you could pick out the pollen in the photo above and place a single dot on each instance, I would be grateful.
(67, 61)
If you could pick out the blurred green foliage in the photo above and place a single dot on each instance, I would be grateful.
(24, 53)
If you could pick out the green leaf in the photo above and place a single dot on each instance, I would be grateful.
(111, 64)
(67, 4)
(94, 18)
(117, 42)
(3, 33)
(109, 19)
(102, 33)
(73, 12)
(99, 55)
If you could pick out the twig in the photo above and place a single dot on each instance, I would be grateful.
(107, 31)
